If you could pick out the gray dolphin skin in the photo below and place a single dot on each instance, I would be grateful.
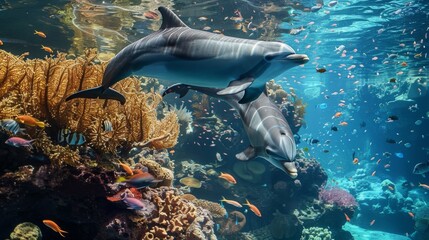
(269, 133)
(177, 53)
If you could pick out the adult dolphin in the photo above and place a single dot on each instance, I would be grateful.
(178, 53)
(269, 133)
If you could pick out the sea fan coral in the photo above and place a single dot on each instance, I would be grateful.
(338, 197)
(39, 87)
(184, 116)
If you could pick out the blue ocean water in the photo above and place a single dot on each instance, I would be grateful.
(365, 123)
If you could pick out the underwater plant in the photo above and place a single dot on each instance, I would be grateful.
(38, 87)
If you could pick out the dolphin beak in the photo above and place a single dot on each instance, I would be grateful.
(291, 169)
(299, 58)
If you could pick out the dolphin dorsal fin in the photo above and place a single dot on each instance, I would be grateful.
(170, 19)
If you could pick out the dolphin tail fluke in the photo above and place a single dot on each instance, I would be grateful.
(181, 89)
(252, 93)
(98, 92)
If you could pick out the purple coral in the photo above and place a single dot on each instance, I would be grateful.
(337, 196)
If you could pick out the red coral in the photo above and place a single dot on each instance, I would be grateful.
(337, 196)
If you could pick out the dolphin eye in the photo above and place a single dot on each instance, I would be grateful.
(282, 133)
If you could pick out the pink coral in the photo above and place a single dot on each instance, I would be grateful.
(337, 196)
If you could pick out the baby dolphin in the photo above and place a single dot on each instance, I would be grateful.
(269, 133)
(181, 54)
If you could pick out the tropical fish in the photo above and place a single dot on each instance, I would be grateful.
(30, 121)
(392, 80)
(393, 118)
(333, 128)
(228, 177)
(126, 168)
(320, 70)
(72, 139)
(47, 49)
(337, 115)
(185, 54)
(52, 225)
(411, 214)
(421, 168)
(19, 142)
(347, 217)
(151, 15)
(425, 186)
(133, 203)
(1, 43)
(372, 222)
(253, 208)
(139, 180)
(231, 202)
(355, 160)
(11, 126)
(40, 34)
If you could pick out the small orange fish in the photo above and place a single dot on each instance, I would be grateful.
(373, 173)
(343, 124)
(378, 161)
(172, 151)
(253, 208)
(347, 217)
(411, 214)
(337, 115)
(127, 169)
(231, 202)
(425, 186)
(151, 15)
(47, 49)
(40, 34)
(355, 160)
(30, 121)
(1, 43)
(228, 177)
(404, 64)
(52, 225)
(372, 222)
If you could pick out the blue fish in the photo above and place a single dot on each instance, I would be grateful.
(399, 155)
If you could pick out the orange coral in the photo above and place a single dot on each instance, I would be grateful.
(39, 88)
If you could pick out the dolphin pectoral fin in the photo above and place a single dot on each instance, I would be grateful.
(246, 155)
(252, 93)
(98, 93)
(179, 88)
(236, 86)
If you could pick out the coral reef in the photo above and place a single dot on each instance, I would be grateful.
(39, 88)
(338, 197)
(421, 223)
(172, 217)
(285, 226)
(251, 171)
(293, 107)
(316, 233)
(233, 224)
(26, 231)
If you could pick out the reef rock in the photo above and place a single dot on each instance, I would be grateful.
(26, 231)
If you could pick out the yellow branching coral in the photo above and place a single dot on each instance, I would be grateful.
(39, 88)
